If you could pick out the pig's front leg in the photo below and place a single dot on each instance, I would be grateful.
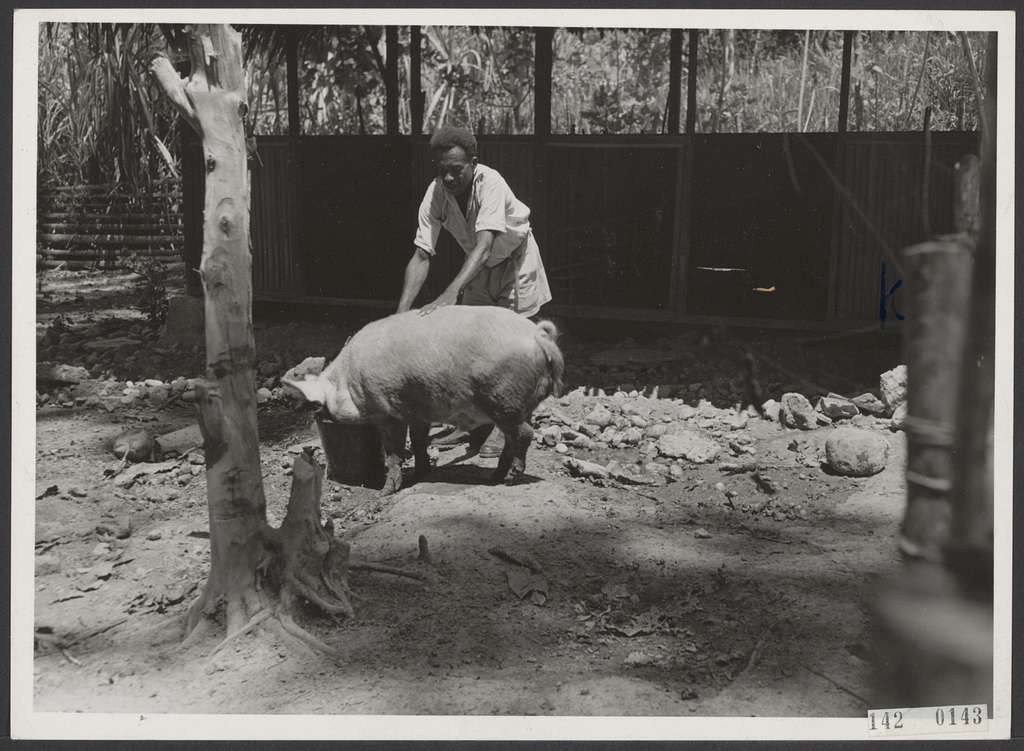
(419, 434)
(392, 438)
(513, 457)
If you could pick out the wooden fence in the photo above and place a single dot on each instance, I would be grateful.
(782, 229)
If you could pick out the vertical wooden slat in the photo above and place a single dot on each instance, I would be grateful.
(691, 81)
(391, 80)
(543, 62)
(415, 82)
(844, 81)
(675, 74)
(836, 218)
(292, 62)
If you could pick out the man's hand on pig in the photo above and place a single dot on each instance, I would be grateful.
(444, 299)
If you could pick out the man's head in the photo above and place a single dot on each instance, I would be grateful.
(454, 152)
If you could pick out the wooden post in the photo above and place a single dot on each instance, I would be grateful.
(836, 219)
(966, 210)
(937, 285)
(970, 550)
(292, 62)
(214, 103)
(415, 81)
(242, 544)
(543, 60)
(934, 624)
(391, 80)
(675, 75)
(926, 177)
(691, 81)
(681, 225)
(844, 81)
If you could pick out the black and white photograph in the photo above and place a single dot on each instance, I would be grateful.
(512, 374)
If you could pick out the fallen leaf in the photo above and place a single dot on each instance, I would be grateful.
(519, 581)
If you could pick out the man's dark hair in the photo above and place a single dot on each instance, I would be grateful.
(448, 136)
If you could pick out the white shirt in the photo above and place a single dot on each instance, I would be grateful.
(492, 205)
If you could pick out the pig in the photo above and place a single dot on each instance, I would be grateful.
(471, 366)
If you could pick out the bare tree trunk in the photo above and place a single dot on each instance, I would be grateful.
(242, 545)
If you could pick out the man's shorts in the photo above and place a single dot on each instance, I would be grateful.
(518, 283)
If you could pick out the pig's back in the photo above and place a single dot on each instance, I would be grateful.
(433, 366)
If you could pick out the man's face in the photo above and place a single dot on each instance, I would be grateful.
(455, 169)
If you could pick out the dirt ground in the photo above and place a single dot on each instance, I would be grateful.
(677, 597)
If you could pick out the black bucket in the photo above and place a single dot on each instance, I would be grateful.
(354, 453)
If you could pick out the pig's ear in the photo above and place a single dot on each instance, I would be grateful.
(311, 390)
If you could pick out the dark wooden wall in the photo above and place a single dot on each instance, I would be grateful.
(807, 215)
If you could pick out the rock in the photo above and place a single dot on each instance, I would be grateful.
(582, 442)
(158, 395)
(137, 445)
(836, 408)
(855, 452)
(153, 382)
(561, 448)
(899, 416)
(631, 437)
(688, 445)
(153, 536)
(47, 564)
(121, 527)
(870, 404)
(701, 534)
(656, 431)
(599, 416)
(637, 421)
(77, 492)
(262, 395)
(684, 412)
(893, 386)
(737, 421)
(177, 442)
(61, 373)
(84, 390)
(797, 412)
(582, 468)
(550, 435)
(675, 472)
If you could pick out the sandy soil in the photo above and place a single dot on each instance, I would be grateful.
(671, 599)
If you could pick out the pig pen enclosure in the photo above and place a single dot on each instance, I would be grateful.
(708, 507)
(621, 578)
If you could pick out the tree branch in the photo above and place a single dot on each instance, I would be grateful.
(174, 87)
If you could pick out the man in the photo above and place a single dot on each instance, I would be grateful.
(474, 203)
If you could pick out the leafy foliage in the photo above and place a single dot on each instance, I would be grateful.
(609, 80)
(101, 119)
(152, 295)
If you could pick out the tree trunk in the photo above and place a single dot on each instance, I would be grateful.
(243, 546)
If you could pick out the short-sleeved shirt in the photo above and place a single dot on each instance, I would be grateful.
(492, 205)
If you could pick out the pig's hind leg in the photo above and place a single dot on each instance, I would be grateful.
(419, 434)
(392, 438)
(513, 457)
